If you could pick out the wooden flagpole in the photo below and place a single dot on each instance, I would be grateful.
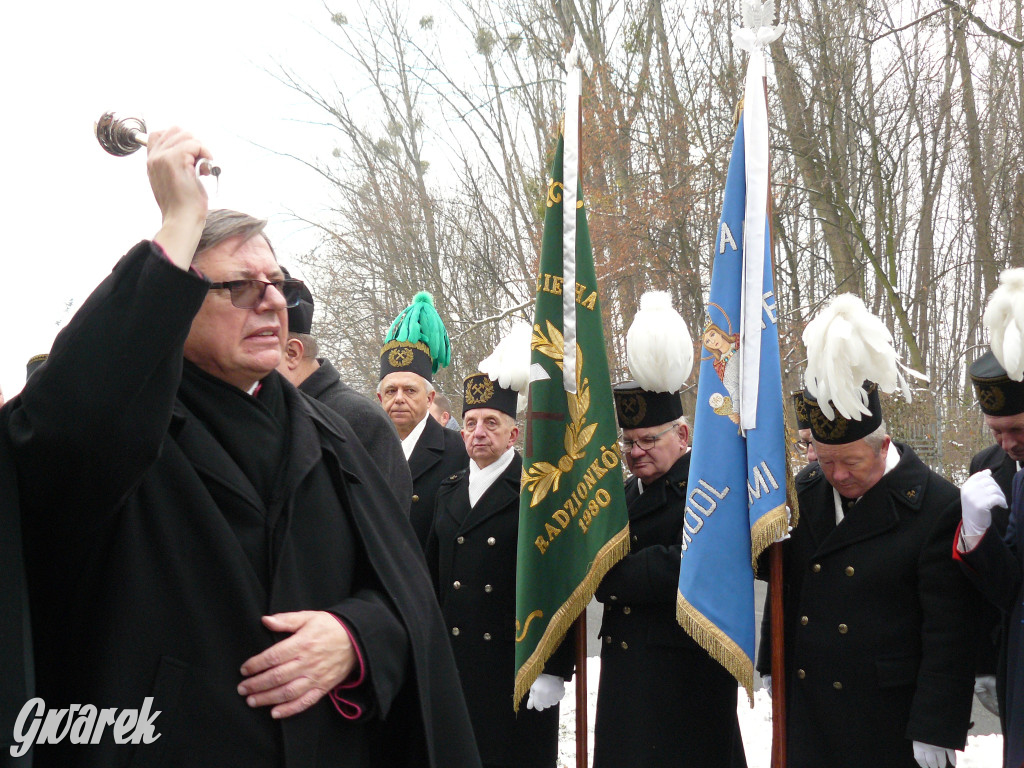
(775, 578)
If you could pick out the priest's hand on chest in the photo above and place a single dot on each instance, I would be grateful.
(295, 673)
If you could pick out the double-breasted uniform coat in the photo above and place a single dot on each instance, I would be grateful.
(151, 557)
(995, 566)
(879, 623)
(472, 553)
(439, 454)
(662, 700)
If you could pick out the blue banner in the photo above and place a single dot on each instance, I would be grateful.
(736, 494)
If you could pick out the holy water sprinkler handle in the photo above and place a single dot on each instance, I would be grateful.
(125, 135)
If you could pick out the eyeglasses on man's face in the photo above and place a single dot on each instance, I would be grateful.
(247, 294)
(646, 442)
(803, 445)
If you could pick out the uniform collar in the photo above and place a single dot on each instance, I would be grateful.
(409, 443)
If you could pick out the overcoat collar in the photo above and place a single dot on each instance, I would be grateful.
(429, 449)
(668, 487)
(504, 491)
(898, 493)
(321, 379)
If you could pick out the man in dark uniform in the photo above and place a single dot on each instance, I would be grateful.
(202, 543)
(1004, 416)
(879, 628)
(990, 555)
(472, 554)
(662, 700)
(803, 427)
(320, 380)
(407, 365)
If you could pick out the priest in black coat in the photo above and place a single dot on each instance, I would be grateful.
(472, 553)
(201, 541)
(662, 700)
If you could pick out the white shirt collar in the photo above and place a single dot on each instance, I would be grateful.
(892, 458)
(409, 443)
(480, 479)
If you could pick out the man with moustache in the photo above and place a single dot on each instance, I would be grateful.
(200, 537)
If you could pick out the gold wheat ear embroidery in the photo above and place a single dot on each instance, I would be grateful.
(542, 477)
(526, 628)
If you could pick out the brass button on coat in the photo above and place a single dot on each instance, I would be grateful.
(487, 635)
(837, 685)
(490, 541)
(849, 570)
(460, 540)
(415, 497)
(626, 610)
(488, 588)
(457, 585)
(803, 620)
(455, 631)
(816, 567)
(625, 646)
(843, 629)
(607, 640)
(801, 674)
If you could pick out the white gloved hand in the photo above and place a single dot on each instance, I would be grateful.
(985, 689)
(766, 683)
(930, 756)
(979, 494)
(546, 691)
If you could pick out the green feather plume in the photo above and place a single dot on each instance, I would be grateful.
(420, 322)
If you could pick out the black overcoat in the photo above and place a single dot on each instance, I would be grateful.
(995, 567)
(439, 453)
(369, 421)
(880, 624)
(991, 658)
(139, 586)
(17, 683)
(662, 700)
(472, 553)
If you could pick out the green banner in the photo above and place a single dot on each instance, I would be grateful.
(573, 525)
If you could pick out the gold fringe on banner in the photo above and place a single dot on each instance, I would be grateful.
(769, 528)
(613, 551)
(718, 644)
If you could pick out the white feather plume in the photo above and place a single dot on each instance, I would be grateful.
(1004, 318)
(509, 363)
(846, 344)
(659, 349)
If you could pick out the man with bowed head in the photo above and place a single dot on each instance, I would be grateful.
(215, 544)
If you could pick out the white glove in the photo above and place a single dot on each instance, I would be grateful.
(766, 683)
(985, 689)
(929, 756)
(546, 691)
(978, 495)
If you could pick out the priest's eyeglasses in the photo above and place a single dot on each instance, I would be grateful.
(646, 442)
(247, 294)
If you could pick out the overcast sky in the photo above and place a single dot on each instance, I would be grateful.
(70, 210)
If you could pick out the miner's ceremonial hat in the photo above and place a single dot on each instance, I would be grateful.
(636, 407)
(998, 375)
(504, 374)
(839, 430)
(659, 352)
(998, 394)
(34, 364)
(803, 419)
(417, 340)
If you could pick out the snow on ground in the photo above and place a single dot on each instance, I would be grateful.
(755, 724)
